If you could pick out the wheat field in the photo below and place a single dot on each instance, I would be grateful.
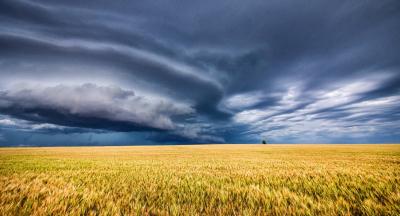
(201, 180)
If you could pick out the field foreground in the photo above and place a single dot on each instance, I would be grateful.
(201, 180)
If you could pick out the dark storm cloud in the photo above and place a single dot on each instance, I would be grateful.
(90, 106)
(172, 78)
(281, 69)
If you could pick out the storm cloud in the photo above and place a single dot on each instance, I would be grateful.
(90, 106)
(196, 72)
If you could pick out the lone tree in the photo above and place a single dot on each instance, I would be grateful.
(264, 142)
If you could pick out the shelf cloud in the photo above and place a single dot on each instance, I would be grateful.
(90, 106)
(199, 72)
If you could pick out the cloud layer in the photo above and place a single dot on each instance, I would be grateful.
(90, 106)
(187, 72)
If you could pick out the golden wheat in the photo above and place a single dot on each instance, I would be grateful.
(201, 180)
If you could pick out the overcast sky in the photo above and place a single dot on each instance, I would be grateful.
(155, 72)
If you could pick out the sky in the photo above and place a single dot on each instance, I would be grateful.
(99, 72)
